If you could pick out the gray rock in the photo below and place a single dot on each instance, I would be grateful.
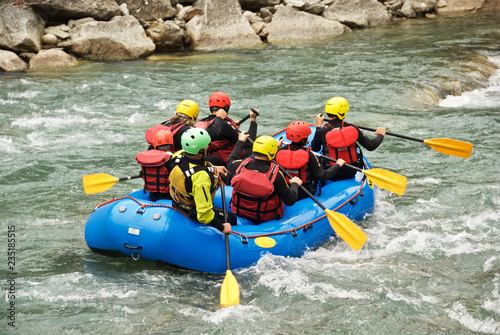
(21, 29)
(150, 10)
(9, 61)
(187, 13)
(73, 23)
(357, 13)
(61, 31)
(221, 26)
(167, 36)
(121, 38)
(52, 58)
(450, 6)
(62, 10)
(290, 24)
(414, 8)
(49, 39)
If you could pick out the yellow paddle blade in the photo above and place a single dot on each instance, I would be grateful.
(346, 229)
(265, 242)
(450, 147)
(387, 180)
(230, 291)
(98, 182)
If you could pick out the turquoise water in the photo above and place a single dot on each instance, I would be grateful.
(430, 266)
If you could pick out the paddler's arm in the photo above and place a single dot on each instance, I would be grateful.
(204, 202)
(215, 128)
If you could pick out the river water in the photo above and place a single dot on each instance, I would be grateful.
(431, 264)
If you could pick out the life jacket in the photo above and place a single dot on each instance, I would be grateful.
(295, 162)
(221, 148)
(153, 170)
(181, 183)
(163, 126)
(341, 143)
(256, 200)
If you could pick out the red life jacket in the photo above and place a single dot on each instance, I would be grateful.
(163, 126)
(221, 148)
(295, 162)
(341, 143)
(256, 200)
(153, 170)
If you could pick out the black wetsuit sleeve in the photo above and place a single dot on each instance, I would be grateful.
(317, 141)
(252, 130)
(367, 143)
(234, 159)
(317, 171)
(287, 194)
(216, 128)
(216, 223)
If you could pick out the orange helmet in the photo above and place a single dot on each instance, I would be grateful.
(219, 99)
(162, 137)
(297, 131)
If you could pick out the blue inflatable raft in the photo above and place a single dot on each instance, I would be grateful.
(133, 225)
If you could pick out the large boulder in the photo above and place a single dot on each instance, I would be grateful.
(221, 25)
(62, 10)
(122, 38)
(21, 29)
(357, 13)
(450, 6)
(9, 61)
(418, 8)
(52, 58)
(150, 10)
(289, 24)
(167, 36)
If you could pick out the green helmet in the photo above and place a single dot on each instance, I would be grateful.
(195, 139)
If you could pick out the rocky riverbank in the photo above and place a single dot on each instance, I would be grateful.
(58, 33)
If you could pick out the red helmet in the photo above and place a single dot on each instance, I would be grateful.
(162, 137)
(297, 130)
(219, 99)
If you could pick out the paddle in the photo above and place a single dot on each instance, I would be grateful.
(247, 117)
(443, 145)
(230, 292)
(100, 182)
(342, 225)
(382, 178)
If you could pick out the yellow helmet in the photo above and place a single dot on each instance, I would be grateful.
(266, 145)
(189, 108)
(337, 106)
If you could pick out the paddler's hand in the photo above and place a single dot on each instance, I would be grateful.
(243, 135)
(227, 228)
(319, 120)
(280, 142)
(340, 162)
(222, 170)
(221, 113)
(296, 180)
(380, 130)
(253, 116)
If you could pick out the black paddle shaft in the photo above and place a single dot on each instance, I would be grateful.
(247, 117)
(393, 134)
(224, 211)
(129, 177)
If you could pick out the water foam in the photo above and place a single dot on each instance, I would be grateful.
(488, 97)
